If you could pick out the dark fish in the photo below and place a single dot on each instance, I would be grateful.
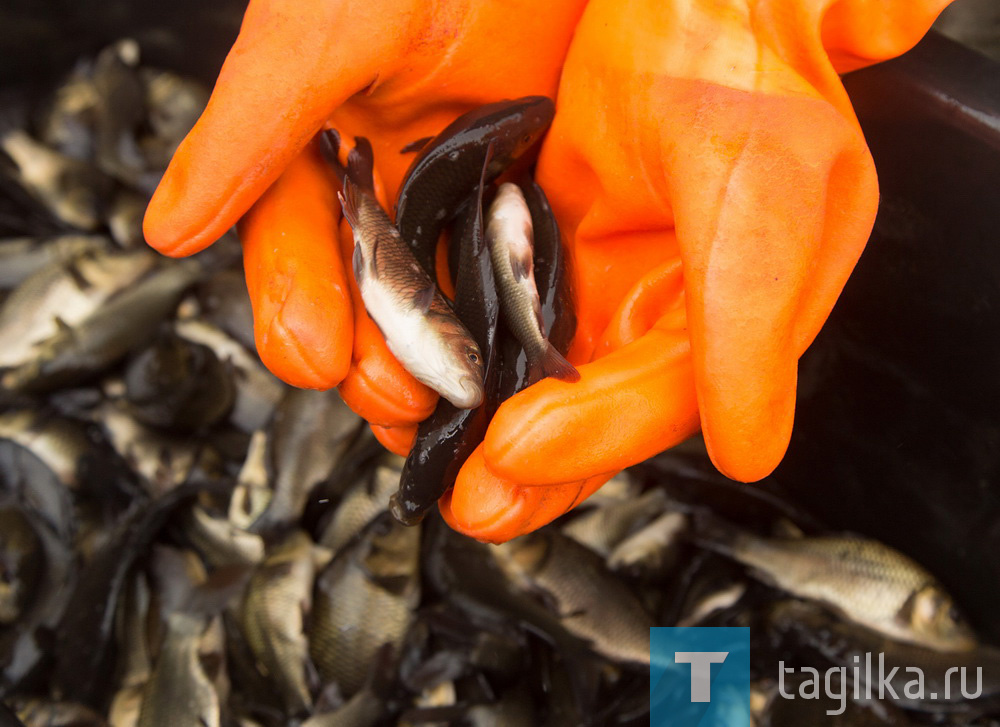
(362, 503)
(447, 437)
(258, 391)
(85, 659)
(225, 303)
(363, 600)
(862, 579)
(179, 385)
(310, 433)
(449, 166)
(590, 601)
(509, 236)
(35, 501)
(60, 443)
(21, 563)
(124, 218)
(128, 321)
(419, 326)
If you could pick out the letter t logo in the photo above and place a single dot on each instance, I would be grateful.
(701, 671)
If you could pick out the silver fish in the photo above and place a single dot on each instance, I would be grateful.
(273, 614)
(21, 257)
(509, 236)
(21, 563)
(603, 528)
(419, 326)
(136, 660)
(126, 322)
(124, 218)
(174, 104)
(63, 292)
(219, 541)
(652, 549)
(252, 492)
(365, 599)
(361, 504)
(60, 443)
(71, 189)
(591, 602)
(862, 579)
(310, 433)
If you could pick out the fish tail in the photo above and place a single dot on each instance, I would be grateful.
(554, 364)
(329, 147)
(361, 165)
(349, 202)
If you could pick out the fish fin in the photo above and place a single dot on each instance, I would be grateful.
(361, 165)
(62, 326)
(423, 298)
(520, 267)
(349, 203)
(329, 147)
(554, 364)
(358, 262)
(416, 145)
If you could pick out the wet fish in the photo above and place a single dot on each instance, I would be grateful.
(364, 599)
(72, 190)
(602, 528)
(124, 218)
(173, 104)
(861, 579)
(60, 443)
(21, 257)
(257, 390)
(510, 239)
(133, 636)
(589, 600)
(63, 294)
(179, 385)
(449, 166)
(179, 692)
(219, 542)
(21, 563)
(126, 322)
(419, 326)
(447, 438)
(252, 492)
(310, 433)
(651, 550)
(361, 504)
(41, 504)
(225, 303)
(49, 713)
(275, 608)
(68, 120)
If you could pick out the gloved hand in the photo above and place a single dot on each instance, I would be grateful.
(705, 165)
(391, 70)
(708, 169)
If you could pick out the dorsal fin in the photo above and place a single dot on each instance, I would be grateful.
(361, 165)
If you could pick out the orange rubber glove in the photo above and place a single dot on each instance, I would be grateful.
(704, 163)
(708, 169)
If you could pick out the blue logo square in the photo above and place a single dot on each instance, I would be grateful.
(699, 677)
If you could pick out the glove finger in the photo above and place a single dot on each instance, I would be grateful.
(303, 317)
(627, 406)
(486, 507)
(398, 440)
(768, 237)
(377, 387)
(643, 306)
(291, 66)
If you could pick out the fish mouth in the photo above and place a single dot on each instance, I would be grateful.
(470, 395)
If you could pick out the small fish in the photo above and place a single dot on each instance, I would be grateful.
(449, 166)
(590, 601)
(219, 542)
(128, 321)
(859, 578)
(63, 294)
(509, 236)
(419, 326)
(174, 104)
(602, 528)
(275, 608)
(361, 504)
(72, 190)
(21, 563)
(136, 660)
(363, 600)
(310, 433)
(60, 443)
(653, 549)
(225, 302)
(447, 437)
(21, 257)
(258, 391)
(124, 218)
(178, 385)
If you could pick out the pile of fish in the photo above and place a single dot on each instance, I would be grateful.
(186, 541)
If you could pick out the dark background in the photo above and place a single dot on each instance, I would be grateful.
(898, 423)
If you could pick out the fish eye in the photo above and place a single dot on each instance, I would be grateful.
(527, 138)
(473, 357)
